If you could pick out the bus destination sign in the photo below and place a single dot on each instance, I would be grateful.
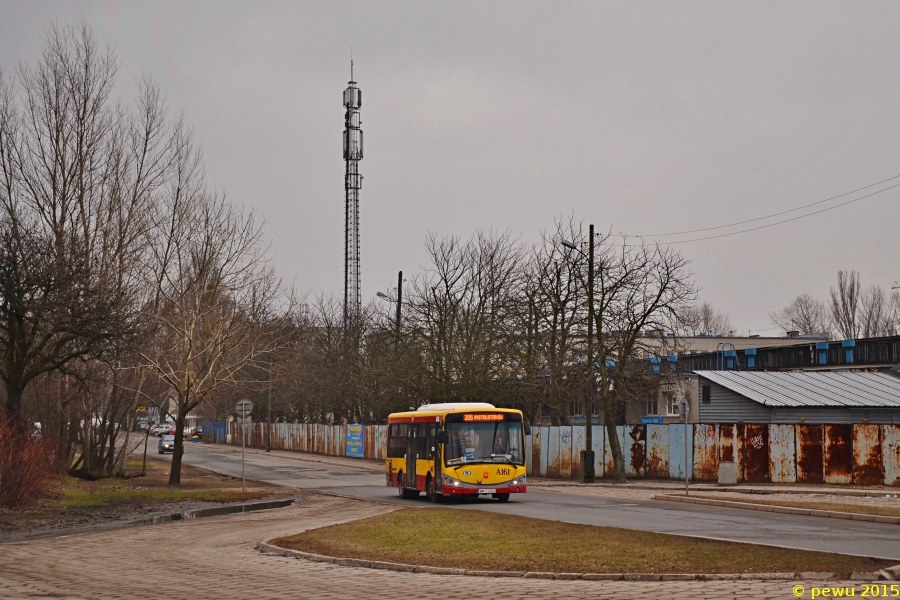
(472, 417)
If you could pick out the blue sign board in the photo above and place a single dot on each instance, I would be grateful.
(651, 420)
(580, 420)
(356, 436)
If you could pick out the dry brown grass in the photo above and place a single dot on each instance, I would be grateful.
(480, 540)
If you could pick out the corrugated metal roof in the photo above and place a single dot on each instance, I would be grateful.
(853, 389)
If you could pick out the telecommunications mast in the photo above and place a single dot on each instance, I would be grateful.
(353, 153)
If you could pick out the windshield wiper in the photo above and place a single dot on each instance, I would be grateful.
(503, 457)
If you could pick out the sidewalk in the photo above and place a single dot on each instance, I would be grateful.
(647, 490)
(216, 558)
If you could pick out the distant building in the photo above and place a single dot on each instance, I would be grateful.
(807, 381)
(807, 397)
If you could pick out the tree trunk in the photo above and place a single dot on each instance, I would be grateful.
(175, 470)
(14, 405)
(614, 446)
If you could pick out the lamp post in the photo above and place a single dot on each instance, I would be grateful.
(684, 408)
(399, 301)
(587, 455)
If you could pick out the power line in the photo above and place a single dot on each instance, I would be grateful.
(713, 237)
(784, 212)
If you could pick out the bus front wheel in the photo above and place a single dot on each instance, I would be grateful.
(502, 497)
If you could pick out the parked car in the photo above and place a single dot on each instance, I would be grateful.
(166, 443)
(161, 429)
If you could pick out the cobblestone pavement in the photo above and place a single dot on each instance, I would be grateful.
(216, 558)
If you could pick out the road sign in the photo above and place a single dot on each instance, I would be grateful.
(243, 408)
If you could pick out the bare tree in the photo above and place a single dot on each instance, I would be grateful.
(560, 313)
(876, 313)
(804, 314)
(705, 318)
(637, 288)
(845, 300)
(459, 313)
(215, 311)
(71, 203)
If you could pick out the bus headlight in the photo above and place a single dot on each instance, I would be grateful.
(450, 481)
(519, 480)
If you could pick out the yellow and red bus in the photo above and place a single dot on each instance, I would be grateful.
(457, 450)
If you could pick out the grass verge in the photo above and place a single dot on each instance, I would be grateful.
(80, 503)
(153, 487)
(886, 511)
(480, 540)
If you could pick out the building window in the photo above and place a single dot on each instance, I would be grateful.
(652, 406)
(706, 393)
(671, 404)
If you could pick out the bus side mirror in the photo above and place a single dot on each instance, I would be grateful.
(527, 427)
(442, 436)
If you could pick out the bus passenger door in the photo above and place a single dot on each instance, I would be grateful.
(411, 448)
(435, 454)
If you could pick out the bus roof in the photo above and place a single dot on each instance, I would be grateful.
(448, 406)
(434, 412)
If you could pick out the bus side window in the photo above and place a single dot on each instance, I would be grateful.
(422, 441)
(397, 440)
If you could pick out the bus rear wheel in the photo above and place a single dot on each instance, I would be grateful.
(401, 486)
(502, 497)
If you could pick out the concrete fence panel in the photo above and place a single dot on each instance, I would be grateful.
(636, 455)
(598, 442)
(565, 451)
(890, 449)
(706, 453)
(553, 453)
(868, 462)
(782, 454)
(810, 453)
(838, 454)
(755, 457)
(678, 438)
(658, 451)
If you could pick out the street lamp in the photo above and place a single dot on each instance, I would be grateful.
(399, 301)
(587, 455)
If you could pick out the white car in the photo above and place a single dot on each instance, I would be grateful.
(161, 429)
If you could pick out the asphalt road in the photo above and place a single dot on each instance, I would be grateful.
(811, 533)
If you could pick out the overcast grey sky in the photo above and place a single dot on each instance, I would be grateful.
(644, 118)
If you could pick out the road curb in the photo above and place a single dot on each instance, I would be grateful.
(548, 484)
(788, 510)
(267, 547)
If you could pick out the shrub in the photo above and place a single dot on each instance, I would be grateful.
(27, 465)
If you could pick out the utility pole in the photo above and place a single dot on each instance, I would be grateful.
(399, 304)
(587, 455)
(269, 416)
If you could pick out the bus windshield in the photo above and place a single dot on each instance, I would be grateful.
(500, 442)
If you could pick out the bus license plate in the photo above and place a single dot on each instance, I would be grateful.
(487, 491)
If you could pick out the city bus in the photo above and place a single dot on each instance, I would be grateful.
(457, 450)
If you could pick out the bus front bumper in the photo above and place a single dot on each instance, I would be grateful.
(451, 490)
